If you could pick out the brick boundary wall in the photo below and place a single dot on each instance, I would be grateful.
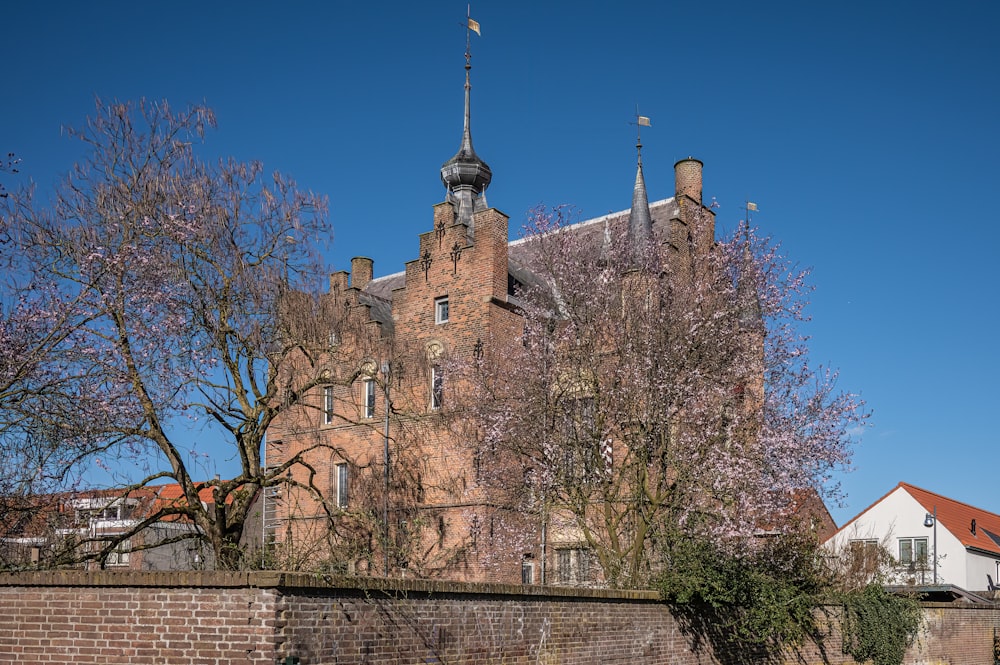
(273, 617)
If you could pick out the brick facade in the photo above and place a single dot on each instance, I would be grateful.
(258, 618)
(433, 502)
(429, 499)
(393, 491)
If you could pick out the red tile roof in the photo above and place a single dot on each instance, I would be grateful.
(959, 519)
(37, 516)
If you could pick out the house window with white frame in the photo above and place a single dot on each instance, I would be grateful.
(441, 310)
(912, 551)
(327, 405)
(340, 480)
(437, 387)
(119, 556)
(527, 571)
(368, 410)
(573, 565)
(864, 556)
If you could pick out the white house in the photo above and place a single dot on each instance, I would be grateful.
(921, 528)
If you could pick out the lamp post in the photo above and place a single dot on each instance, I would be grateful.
(930, 520)
(385, 468)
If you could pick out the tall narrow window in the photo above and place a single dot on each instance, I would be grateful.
(369, 396)
(441, 310)
(437, 387)
(328, 405)
(341, 489)
(582, 565)
(527, 572)
(564, 569)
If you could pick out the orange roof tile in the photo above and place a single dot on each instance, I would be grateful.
(960, 519)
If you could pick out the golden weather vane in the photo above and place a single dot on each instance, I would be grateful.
(640, 122)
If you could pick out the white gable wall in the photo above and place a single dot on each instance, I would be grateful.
(899, 516)
(978, 566)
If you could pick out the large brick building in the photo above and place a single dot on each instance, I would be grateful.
(390, 487)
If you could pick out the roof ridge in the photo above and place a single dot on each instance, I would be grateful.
(949, 499)
(595, 220)
(385, 277)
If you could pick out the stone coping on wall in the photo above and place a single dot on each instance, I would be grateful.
(293, 581)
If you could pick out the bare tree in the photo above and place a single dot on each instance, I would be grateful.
(651, 399)
(8, 165)
(175, 290)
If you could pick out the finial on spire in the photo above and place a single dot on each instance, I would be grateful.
(640, 221)
(465, 175)
(471, 25)
(748, 299)
(640, 122)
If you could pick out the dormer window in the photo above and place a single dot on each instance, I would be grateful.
(441, 310)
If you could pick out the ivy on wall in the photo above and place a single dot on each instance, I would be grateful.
(878, 626)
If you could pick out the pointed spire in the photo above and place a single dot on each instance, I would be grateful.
(465, 175)
(640, 221)
(751, 315)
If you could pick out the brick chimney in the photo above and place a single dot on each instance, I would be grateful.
(338, 282)
(361, 271)
(687, 178)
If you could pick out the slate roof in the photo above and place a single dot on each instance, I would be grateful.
(378, 292)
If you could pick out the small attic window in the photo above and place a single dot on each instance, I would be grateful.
(972, 527)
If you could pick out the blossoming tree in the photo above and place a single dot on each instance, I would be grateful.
(651, 399)
(156, 289)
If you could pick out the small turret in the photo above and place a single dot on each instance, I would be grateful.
(640, 221)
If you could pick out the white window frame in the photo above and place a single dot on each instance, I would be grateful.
(863, 544)
(119, 557)
(573, 565)
(368, 397)
(527, 571)
(913, 557)
(564, 565)
(341, 480)
(442, 310)
(328, 403)
(437, 387)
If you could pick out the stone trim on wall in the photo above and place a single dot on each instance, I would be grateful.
(290, 581)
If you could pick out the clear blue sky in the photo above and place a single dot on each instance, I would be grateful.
(867, 133)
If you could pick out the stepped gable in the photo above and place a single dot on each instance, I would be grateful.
(378, 292)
